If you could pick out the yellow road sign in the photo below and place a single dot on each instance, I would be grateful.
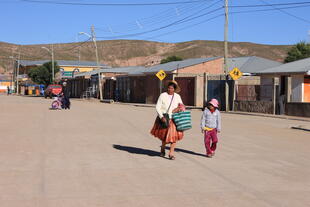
(161, 75)
(235, 74)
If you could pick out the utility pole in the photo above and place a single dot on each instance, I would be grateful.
(17, 73)
(51, 51)
(226, 57)
(13, 70)
(79, 53)
(79, 48)
(93, 36)
(53, 65)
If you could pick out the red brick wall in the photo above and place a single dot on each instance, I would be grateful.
(212, 67)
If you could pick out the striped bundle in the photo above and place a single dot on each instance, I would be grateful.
(183, 120)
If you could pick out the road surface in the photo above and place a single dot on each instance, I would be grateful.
(99, 155)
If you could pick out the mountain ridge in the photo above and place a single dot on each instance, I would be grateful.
(137, 52)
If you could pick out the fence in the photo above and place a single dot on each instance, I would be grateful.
(254, 92)
(254, 98)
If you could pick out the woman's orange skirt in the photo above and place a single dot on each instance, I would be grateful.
(169, 135)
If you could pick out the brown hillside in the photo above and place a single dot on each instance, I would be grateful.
(137, 52)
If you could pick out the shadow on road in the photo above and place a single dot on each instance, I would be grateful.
(187, 151)
(136, 150)
(141, 151)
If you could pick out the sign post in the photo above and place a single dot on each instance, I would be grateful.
(161, 75)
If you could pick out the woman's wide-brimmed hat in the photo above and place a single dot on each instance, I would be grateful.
(177, 89)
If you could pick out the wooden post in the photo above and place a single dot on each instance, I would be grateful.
(274, 93)
(205, 83)
(234, 94)
(288, 89)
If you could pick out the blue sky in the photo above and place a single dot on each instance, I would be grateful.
(35, 23)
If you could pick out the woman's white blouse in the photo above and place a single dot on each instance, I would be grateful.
(164, 102)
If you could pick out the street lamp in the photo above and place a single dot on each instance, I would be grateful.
(79, 47)
(84, 33)
(53, 66)
(95, 43)
(93, 38)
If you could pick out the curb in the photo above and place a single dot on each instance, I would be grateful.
(301, 128)
(230, 112)
(270, 116)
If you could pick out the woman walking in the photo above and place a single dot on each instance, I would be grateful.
(164, 128)
(66, 96)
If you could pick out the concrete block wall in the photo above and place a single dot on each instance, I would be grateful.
(254, 106)
(297, 109)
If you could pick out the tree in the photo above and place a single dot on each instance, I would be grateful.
(299, 51)
(43, 74)
(170, 59)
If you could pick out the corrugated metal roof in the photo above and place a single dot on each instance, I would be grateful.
(251, 64)
(61, 63)
(93, 72)
(124, 70)
(5, 77)
(129, 69)
(171, 66)
(300, 66)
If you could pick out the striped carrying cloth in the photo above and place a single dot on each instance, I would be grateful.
(183, 120)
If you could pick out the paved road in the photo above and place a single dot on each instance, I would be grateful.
(98, 155)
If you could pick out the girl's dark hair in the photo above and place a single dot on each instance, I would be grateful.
(172, 84)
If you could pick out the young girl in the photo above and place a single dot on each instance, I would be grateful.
(210, 126)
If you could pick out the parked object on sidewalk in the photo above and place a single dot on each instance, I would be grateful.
(52, 90)
(110, 101)
(57, 103)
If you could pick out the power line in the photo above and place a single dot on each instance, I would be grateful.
(145, 22)
(186, 19)
(287, 13)
(76, 46)
(31, 57)
(271, 9)
(154, 19)
(159, 3)
(113, 4)
(235, 12)
(270, 5)
(190, 26)
(193, 13)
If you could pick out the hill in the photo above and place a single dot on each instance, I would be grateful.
(137, 52)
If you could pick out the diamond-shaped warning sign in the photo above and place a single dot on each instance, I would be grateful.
(235, 74)
(161, 75)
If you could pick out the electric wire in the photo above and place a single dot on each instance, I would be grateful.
(186, 19)
(146, 22)
(113, 4)
(287, 13)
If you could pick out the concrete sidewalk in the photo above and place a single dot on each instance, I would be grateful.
(307, 119)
